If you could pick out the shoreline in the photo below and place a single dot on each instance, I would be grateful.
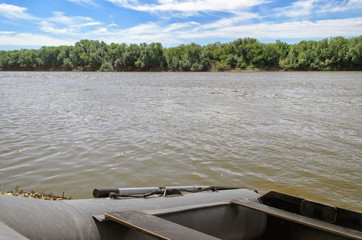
(208, 71)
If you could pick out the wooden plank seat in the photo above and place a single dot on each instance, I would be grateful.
(156, 226)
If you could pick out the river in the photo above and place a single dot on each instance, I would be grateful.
(295, 132)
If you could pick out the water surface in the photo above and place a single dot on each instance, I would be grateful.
(299, 133)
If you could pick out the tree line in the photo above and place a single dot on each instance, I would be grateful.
(336, 53)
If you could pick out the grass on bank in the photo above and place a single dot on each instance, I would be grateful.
(33, 194)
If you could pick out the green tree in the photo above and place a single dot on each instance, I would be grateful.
(106, 67)
(64, 58)
(130, 57)
(271, 55)
(355, 52)
(49, 57)
(151, 57)
(115, 55)
(173, 58)
(191, 60)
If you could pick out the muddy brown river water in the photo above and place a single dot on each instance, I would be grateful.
(295, 132)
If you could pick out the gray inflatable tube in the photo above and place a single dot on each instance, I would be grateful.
(207, 212)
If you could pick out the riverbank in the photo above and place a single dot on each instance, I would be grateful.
(33, 194)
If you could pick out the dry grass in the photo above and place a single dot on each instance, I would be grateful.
(33, 194)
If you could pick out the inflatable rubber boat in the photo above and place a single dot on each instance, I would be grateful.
(185, 212)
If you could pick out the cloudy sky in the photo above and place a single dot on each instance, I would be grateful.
(35, 23)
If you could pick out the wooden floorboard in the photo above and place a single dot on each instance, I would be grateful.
(311, 222)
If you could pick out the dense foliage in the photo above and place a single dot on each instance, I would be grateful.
(335, 53)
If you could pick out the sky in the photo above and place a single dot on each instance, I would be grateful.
(36, 23)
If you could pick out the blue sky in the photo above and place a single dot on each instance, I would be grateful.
(36, 23)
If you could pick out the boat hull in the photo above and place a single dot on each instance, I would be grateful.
(207, 212)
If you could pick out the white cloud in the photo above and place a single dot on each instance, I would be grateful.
(84, 2)
(60, 18)
(310, 8)
(29, 39)
(50, 28)
(290, 30)
(179, 33)
(61, 24)
(147, 32)
(298, 8)
(238, 19)
(6, 32)
(179, 26)
(333, 6)
(14, 12)
(189, 5)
